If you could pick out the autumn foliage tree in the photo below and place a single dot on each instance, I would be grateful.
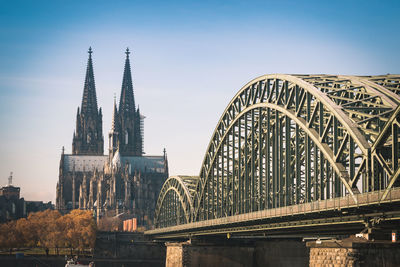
(80, 229)
(9, 236)
(49, 229)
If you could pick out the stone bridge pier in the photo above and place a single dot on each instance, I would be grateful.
(352, 252)
(237, 253)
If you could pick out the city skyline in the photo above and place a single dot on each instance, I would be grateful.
(188, 60)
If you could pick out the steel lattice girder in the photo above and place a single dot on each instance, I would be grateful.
(176, 195)
(290, 139)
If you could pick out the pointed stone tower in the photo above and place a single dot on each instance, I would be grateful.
(113, 134)
(129, 132)
(125, 180)
(88, 136)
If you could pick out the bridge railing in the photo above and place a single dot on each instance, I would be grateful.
(345, 205)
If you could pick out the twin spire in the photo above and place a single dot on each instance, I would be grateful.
(89, 98)
(126, 125)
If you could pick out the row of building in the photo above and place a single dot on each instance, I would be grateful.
(13, 207)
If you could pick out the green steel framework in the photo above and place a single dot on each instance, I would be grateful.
(286, 140)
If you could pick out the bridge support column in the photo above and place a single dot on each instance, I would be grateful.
(353, 252)
(237, 253)
(177, 254)
(189, 254)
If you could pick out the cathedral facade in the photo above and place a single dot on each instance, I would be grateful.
(124, 182)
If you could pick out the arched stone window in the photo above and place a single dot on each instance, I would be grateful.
(126, 137)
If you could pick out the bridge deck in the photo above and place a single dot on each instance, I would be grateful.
(322, 212)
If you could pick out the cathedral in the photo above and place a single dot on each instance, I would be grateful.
(124, 182)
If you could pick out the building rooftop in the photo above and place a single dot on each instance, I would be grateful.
(90, 163)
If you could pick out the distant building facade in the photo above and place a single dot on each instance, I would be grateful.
(123, 182)
(10, 192)
(12, 207)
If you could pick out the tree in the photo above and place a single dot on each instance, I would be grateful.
(59, 233)
(84, 230)
(26, 235)
(49, 229)
(9, 236)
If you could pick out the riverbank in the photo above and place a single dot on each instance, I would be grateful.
(53, 261)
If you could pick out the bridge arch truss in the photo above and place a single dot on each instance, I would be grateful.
(175, 202)
(291, 139)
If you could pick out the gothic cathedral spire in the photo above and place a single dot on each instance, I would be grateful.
(130, 139)
(127, 99)
(113, 134)
(88, 137)
(89, 99)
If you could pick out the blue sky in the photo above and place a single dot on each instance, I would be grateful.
(188, 58)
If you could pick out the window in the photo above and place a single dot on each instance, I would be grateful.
(126, 137)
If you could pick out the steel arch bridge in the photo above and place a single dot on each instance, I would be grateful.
(292, 141)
